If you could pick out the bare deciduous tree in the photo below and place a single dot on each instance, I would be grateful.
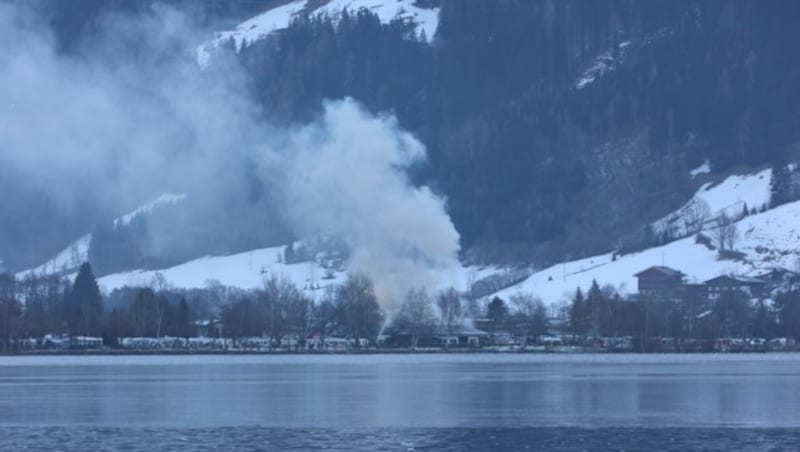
(160, 285)
(359, 314)
(284, 307)
(449, 302)
(695, 215)
(530, 315)
(416, 316)
(725, 233)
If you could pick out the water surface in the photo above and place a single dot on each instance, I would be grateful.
(401, 401)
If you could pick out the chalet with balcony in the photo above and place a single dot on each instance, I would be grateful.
(660, 281)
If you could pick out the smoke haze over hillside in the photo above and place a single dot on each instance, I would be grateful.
(130, 116)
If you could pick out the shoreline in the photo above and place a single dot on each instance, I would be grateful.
(373, 352)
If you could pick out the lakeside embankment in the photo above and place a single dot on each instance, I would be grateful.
(399, 351)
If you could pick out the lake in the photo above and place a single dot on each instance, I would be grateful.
(400, 402)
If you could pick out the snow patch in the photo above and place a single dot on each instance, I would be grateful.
(603, 64)
(165, 199)
(705, 168)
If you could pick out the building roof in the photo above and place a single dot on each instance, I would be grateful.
(660, 270)
(441, 330)
(735, 279)
(777, 274)
(460, 330)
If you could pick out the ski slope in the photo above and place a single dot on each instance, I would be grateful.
(280, 17)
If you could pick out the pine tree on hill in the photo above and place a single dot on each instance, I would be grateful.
(84, 305)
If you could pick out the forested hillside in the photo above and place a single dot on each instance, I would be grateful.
(554, 129)
(556, 126)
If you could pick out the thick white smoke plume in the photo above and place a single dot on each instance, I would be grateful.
(131, 116)
(346, 175)
(126, 115)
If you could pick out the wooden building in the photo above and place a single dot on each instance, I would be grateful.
(753, 287)
(659, 280)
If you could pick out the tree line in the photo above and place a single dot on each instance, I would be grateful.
(35, 306)
(687, 315)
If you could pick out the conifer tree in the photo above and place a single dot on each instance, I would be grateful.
(84, 305)
(779, 186)
(577, 313)
(594, 302)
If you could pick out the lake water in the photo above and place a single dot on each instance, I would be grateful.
(401, 402)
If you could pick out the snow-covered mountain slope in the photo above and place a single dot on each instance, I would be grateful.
(244, 270)
(70, 258)
(730, 197)
(767, 240)
(280, 17)
(248, 270)
(735, 191)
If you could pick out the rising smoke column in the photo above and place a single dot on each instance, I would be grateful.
(346, 175)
